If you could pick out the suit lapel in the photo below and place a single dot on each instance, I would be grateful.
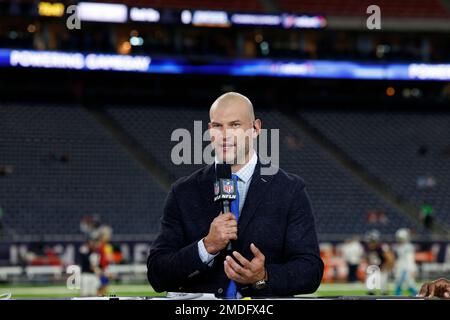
(256, 193)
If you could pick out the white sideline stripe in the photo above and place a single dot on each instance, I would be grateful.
(64, 290)
(58, 270)
(144, 288)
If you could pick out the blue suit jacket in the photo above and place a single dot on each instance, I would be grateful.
(277, 217)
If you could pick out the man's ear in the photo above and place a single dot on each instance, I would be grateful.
(256, 128)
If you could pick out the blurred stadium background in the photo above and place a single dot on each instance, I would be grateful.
(86, 117)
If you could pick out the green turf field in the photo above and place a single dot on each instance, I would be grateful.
(128, 290)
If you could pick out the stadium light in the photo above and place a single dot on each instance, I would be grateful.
(207, 18)
(136, 41)
(47, 9)
(102, 12)
(144, 14)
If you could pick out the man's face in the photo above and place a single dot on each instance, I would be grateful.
(231, 131)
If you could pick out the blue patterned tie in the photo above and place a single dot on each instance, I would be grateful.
(231, 290)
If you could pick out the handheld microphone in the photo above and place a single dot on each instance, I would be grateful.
(225, 189)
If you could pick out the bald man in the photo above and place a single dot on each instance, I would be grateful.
(275, 249)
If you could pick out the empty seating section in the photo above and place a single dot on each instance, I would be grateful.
(340, 199)
(66, 166)
(152, 128)
(398, 148)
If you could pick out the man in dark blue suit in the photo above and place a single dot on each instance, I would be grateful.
(272, 230)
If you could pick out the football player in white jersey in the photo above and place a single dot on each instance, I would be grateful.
(405, 265)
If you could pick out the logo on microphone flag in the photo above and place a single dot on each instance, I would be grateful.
(224, 189)
(228, 187)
